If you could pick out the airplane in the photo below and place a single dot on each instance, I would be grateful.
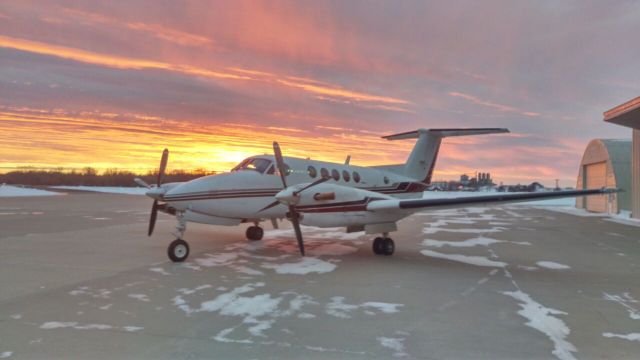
(322, 194)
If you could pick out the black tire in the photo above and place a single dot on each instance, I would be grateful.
(259, 233)
(254, 233)
(377, 245)
(178, 250)
(388, 247)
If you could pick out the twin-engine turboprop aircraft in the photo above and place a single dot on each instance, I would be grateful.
(317, 193)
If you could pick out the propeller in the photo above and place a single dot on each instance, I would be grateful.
(289, 196)
(154, 207)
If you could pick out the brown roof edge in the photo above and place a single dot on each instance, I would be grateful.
(622, 108)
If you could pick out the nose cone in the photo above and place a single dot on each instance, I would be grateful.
(288, 197)
(156, 193)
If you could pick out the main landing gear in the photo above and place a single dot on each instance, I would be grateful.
(383, 246)
(254, 233)
(178, 250)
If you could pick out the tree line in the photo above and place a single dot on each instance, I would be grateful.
(91, 177)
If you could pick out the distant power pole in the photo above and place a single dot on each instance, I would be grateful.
(557, 187)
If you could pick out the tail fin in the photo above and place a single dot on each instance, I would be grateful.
(422, 159)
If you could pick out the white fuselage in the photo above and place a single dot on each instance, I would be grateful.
(238, 196)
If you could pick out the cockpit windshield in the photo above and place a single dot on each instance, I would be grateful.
(256, 164)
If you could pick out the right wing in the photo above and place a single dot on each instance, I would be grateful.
(414, 205)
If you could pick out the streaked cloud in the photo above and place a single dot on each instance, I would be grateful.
(493, 105)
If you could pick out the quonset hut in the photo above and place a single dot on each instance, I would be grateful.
(606, 163)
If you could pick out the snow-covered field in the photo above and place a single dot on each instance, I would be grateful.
(106, 189)
(11, 191)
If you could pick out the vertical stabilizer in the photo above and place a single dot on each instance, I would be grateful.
(422, 159)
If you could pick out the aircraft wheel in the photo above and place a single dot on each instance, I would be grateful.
(254, 233)
(178, 250)
(388, 246)
(377, 245)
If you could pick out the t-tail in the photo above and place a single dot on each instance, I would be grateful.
(422, 159)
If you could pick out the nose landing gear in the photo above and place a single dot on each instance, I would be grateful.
(178, 250)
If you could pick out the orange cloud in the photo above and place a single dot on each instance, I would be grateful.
(155, 30)
(120, 62)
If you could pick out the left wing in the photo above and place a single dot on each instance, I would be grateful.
(412, 205)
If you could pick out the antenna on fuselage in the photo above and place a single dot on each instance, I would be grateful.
(346, 162)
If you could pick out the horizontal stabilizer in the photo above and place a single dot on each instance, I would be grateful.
(421, 161)
(446, 132)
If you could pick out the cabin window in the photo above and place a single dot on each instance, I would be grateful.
(324, 173)
(346, 176)
(356, 177)
(255, 164)
(335, 175)
(386, 180)
(272, 170)
(312, 172)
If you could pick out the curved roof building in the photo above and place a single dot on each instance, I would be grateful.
(606, 163)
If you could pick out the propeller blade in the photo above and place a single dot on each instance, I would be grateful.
(163, 166)
(319, 181)
(154, 215)
(142, 183)
(280, 163)
(296, 227)
(270, 206)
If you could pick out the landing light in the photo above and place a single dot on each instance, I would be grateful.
(324, 196)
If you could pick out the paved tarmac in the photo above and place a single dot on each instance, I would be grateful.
(79, 279)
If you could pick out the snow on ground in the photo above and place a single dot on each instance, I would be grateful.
(395, 344)
(77, 326)
(471, 260)
(6, 354)
(11, 191)
(541, 318)
(477, 241)
(106, 189)
(552, 265)
(630, 337)
(305, 266)
(338, 308)
(433, 230)
(625, 300)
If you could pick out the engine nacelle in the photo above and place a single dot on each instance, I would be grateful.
(331, 205)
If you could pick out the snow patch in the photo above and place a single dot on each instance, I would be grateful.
(187, 291)
(305, 266)
(471, 260)
(159, 270)
(625, 300)
(630, 337)
(433, 230)
(395, 344)
(132, 328)
(478, 241)
(106, 189)
(15, 191)
(552, 265)
(6, 354)
(541, 318)
(338, 308)
(74, 325)
(141, 297)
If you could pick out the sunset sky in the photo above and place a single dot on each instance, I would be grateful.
(110, 84)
